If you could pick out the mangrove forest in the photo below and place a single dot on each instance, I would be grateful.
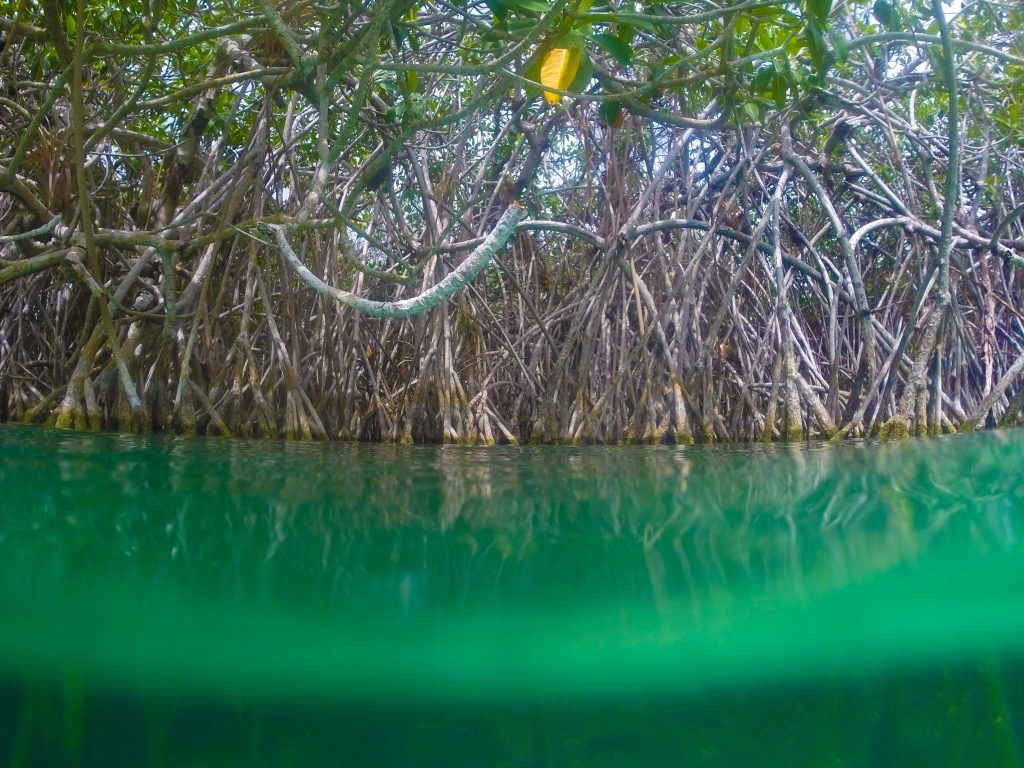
(503, 221)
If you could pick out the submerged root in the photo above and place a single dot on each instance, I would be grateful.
(185, 414)
(43, 410)
(71, 414)
(894, 429)
(217, 425)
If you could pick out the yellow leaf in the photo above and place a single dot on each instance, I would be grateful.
(558, 70)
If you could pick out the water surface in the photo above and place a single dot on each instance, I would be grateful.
(169, 601)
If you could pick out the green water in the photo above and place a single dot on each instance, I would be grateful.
(175, 602)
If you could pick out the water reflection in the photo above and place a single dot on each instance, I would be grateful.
(443, 529)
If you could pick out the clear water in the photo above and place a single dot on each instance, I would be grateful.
(176, 602)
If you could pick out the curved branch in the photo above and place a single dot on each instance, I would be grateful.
(922, 39)
(990, 400)
(1003, 225)
(642, 230)
(180, 43)
(46, 229)
(539, 225)
(430, 298)
(871, 226)
(32, 265)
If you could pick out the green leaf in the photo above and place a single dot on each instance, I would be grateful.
(531, 71)
(819, 9)
(613, 18)
(922, 8)
(498, 8)
(816, 46)
(414, 42)
(621, 51)
(886, 14)
(779, 91)
(765, 12)
(839, 46)
(626, 34)
(751, 110)
(584, 74)
(763, 78)
(611, 112)
(568, 40)
(530, 6)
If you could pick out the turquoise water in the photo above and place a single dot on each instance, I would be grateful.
(166, 601)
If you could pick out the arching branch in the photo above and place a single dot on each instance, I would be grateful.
(430, 298)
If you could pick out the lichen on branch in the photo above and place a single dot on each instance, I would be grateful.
(430, 298)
